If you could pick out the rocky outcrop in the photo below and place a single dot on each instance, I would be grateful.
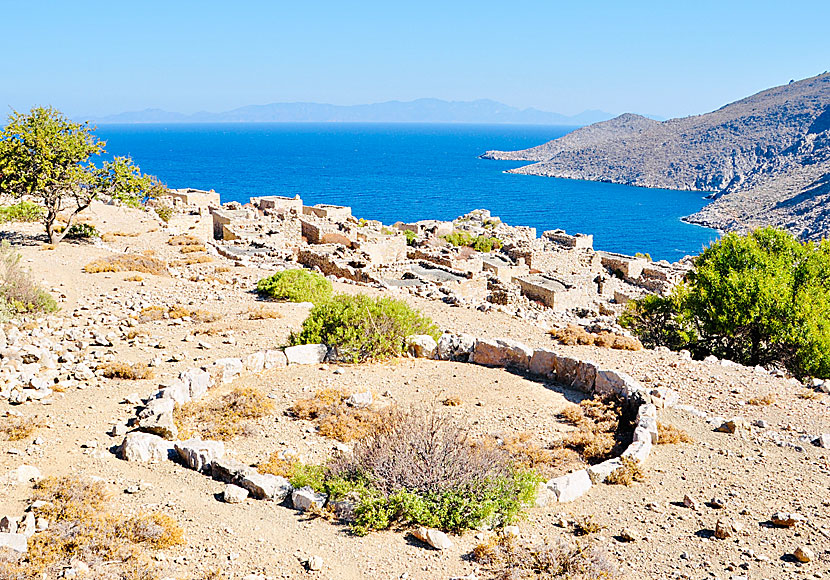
(765, 158)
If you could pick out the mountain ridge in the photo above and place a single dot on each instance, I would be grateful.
(765, 159)
(426, 110)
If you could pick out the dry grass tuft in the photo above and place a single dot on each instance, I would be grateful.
(526, 453)
(603, 428)
(184, 240)
(669, 434)
(573, 335)
(18, 428)
(809, 395)
(156, 312)
(507, 558)
(192, 260)
(192, 249)
(128, 263)
(586, 525)
(82, 527)
(767, 399)
(335, 418)
(47, 247)
(278, 464)
(122, 370)
(452, 402)
(221, 269)
(262, 313)
(225, 417)
(113, 236)
(630, 472)
(135, 278)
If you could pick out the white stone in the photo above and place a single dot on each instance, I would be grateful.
(360, 400)
(228, 368)
(434, 538)
(144, 447)
(421, 346)
(23, 474)
(264, 485)
(275, 359)
(456, 347)
(14, 542)
(198, 454)
(638, 451)
(306, 354)
(306, 498)
(255, 362)
(570, 487)
(234, 494)
(601, 471)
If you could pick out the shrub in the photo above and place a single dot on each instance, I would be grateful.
(335, 418)
(24, 211)
(630, 472)
(410, 237)
(82, 231)
(508, 558)
(19, 293)
(225, 417)
(122, 370)
(669, 434)
(18, 428)
(361, 328)
(765, 400)
(295, 286)
(184, 240)
(604, 428)
(82, 527)
(192, 260)
(128, 263)
(756, 299)
(192, 249)
(420, 468)
(478, 243)
(165, 212)
(573, 334)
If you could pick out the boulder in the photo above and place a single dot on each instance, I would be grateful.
(234, 494)
(227, 469)
(161, 424)
(143, 447)
(275, 359)
(255, 362)
(543, 363)
(804, 554)
(199, 454)
(306, 498)
(732, 425)
(586, 375)
(639, 451)
(22, 474)
(306, 354)
(198, 381)
(360, 400)
(569, 487)
(787, 520)
(157, 407)
(264, 485)
(421, 346)
(602, 471)
(456, 347)
(502, 353)
(14, 542)
(567, 370)
(228, 369)
(434, 538)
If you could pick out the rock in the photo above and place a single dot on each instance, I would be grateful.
(502, 353)
(306, 498)
(228, 368)
(14, 542)
(760, 423)
(8, 525)
(306, 354)
(787, 520)
(314, 563)
(511, 531)
(823, 441)
(157, 407)
(421, 346)
(264, 485)
(255, 362)
(23, 474)
(627, 535)
(234, 494)
(804, 554)
(611, 382)
(143, 447)
(718, 503)
(344, 510)
(569, 487)
(434, 538)
(732, 425)
(275, 359)
(162, 425)
(360, 400)
(726, 528)
(197, 382)
(456, 347)
(543, 362)
(691, 502)
(638, 451)
(226, 469)
(198, 454)
(601, 471)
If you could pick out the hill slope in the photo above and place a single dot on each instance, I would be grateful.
(771, 148)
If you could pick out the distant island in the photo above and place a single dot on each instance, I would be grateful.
(482, 111)
(764, 159)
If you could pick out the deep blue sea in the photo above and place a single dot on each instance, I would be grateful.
(411, 172)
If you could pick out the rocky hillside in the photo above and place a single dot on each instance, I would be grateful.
(765, 158)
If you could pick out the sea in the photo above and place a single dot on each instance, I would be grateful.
(408, 172)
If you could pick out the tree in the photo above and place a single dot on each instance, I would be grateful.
(755, 299)
(45, 155)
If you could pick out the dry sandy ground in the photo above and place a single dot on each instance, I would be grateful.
(758, 471)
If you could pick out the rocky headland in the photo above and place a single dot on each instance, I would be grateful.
(765, 160)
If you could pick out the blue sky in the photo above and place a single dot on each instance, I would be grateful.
(668, 58)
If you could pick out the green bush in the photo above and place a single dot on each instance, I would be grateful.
(420, 468)
(756, 299)
(362, 328)
(24, 211)
(478, 243)
(165, 212)
(295, 286)
(82, 232)
(19, 293)
(410, 237)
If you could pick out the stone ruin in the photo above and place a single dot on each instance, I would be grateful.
(556, 277)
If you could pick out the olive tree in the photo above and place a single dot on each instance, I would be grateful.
(45, 155)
